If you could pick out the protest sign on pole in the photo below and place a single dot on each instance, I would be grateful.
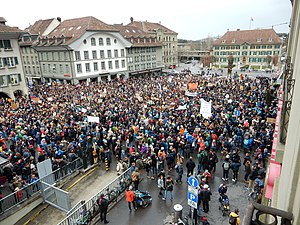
(93, 119)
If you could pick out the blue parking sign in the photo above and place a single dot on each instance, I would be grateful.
(192, 200)
(193, 182)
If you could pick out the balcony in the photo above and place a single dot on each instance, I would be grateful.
(257, 214)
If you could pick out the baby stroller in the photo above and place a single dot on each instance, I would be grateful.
(224, 205)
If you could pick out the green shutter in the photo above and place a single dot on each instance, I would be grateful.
(19, 77)
(16, 61)
(1, 43)
(5, 61)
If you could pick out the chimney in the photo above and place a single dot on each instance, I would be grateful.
(131, 19)
(159, 22)
(227, 29)
(58, 19)
(2, 20)
(237, 29)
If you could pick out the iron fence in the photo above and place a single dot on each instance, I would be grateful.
(29, 190)
(78, 214)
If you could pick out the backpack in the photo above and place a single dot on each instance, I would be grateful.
(232, 220)
(226, 165)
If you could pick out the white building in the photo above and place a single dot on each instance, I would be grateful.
(82, 49)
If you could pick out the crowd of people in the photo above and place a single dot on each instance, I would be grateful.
(150, 122)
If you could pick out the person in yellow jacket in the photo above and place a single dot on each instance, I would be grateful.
(234, 217)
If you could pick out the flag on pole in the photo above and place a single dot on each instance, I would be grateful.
(251, 19)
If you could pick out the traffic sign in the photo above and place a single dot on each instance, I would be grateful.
(192, 200)
(193, 182)
(193, 190)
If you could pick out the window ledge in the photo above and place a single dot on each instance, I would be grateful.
(12, 67)
(8, 49)
(2, 68)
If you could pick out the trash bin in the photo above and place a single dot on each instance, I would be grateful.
(178, 212)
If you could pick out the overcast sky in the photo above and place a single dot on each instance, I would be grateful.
(193, 20)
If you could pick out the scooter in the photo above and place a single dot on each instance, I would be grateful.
(142, 198)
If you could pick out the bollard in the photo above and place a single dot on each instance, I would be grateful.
(106, 164)
(178, 212)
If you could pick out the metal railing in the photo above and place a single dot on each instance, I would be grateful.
(27, 192)
(266, 215)
(112, 193)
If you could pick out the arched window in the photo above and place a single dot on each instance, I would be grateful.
(100, 41)
(108, 41)
(93, 42)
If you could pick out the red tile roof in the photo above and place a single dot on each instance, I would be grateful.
(73, 29)
(39, 26)
(249, 36)
(150, 27)
(8, 29)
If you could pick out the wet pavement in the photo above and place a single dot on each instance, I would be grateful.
(156, 213)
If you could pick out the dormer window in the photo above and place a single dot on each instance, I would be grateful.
(270, 40)
(145, 40)
(223, 41)
(258, 40)
(63, 39)
(150, 40)
(233, 41)
(138, 40)
(54, 39)
(131, 40)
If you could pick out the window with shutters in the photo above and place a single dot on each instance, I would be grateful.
(86, 55)
(117, 64)
(3, 81)
(79, 68)
(102, 54)
(116, 53)
(110, 65)
(87, 67)
(103, 66)
(108, 53)
(14, 79)
(1, 63)
(77, 55)
(123, 63)
(95, 66)
(122, 53)
(94, 53)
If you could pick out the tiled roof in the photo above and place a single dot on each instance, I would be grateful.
(73, 29)
(249, 36)
(150, 27)
(39, 27)
(8, 29)
(129, 32)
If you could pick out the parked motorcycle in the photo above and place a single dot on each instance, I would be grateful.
(142, 198)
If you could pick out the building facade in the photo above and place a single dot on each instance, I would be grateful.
(82, 49)
(259, 49)
(144, 56)
(12, 80)
(31, 64)
(167, 37)
(286, 192)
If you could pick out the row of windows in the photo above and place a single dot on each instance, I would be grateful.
(35, 70)
(5, 44)
(55, 56)
(100, 41)
(142, 66)
(8, 61)
(53, 68)
(142, 58)
(32, 60)
(246, 53)
(12, 79)
(141, 50)
(86, 54)
(102, 65)
(238, 59)
(27, 50)
(246, 47)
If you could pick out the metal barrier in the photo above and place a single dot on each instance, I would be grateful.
(33, 189)
(18, 197)
(112, 191)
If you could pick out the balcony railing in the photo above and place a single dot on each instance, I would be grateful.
(257, 214)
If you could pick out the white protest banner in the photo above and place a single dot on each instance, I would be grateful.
(191, 94)
(205, 109)
(182, 107)
(83, 110)
(50, 99)
(92, 119)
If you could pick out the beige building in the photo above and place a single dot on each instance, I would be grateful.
(144, 56)
(164, 35)
(12, 80)
(29, 54)
(286, 192)
(259, 49)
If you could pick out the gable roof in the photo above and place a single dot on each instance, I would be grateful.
(7, 29)
(73, 29)
(151, 27)
(249, 36)
(39, 26)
